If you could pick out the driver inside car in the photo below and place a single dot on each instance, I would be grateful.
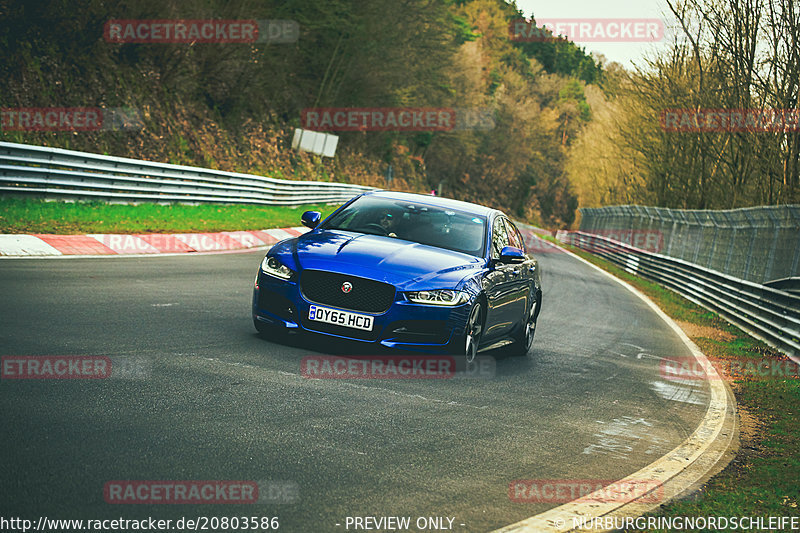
(388, 223)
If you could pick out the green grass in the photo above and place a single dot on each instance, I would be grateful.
(764, 478)
(24, 215)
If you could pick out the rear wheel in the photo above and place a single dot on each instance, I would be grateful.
(524, 339)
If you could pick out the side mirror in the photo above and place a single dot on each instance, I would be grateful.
(511, 254)
(310, 219)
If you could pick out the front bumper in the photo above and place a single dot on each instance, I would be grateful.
(404, 326)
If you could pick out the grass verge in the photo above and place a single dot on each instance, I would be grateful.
(763, 480)
(28, 215)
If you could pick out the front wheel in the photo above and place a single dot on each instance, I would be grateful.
(263, 329)
(267, 331)
(473, 332)
(524, 339)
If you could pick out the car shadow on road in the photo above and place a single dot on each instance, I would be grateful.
(496, 363)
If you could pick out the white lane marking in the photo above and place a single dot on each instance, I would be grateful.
(347, 384)
(640, 352)
(685, 392)
(619, 437)
(407, 395)
(25, 245)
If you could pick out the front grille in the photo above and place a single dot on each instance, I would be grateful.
(366, 295)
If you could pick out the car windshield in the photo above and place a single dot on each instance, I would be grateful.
(413, 221)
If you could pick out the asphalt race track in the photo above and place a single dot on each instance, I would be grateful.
(207, 399)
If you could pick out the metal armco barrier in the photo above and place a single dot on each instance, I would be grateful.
(54, 172)
(767, 313)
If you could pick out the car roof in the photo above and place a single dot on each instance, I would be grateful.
(436, 201)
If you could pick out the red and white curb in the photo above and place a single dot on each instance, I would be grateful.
(144, 243)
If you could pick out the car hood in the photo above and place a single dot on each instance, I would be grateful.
(405, 264)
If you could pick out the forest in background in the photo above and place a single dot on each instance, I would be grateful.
(725, 55)
(570, 130)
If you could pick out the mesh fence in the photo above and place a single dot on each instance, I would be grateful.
(758, 244)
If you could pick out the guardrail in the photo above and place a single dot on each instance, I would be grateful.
(767, 313)
(55, 172)
(758, 244)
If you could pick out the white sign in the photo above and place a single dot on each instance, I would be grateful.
(323, 144)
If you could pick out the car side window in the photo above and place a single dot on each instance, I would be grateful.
(514, 237)
(499, 237)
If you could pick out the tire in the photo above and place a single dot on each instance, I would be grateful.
(473, 332)
(263, 329)
(269, 332)
(524, 339)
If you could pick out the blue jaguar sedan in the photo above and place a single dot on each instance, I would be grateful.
(404, 271)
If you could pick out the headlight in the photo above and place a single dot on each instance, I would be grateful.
(438, 297)
(273, 267)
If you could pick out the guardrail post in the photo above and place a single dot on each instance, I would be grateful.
(713, 241)
(727, 267)
(700, 238)
(796, 261)
(771, 255)
(746, 274)
(668, 243)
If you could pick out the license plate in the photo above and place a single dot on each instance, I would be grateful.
(340, 318)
